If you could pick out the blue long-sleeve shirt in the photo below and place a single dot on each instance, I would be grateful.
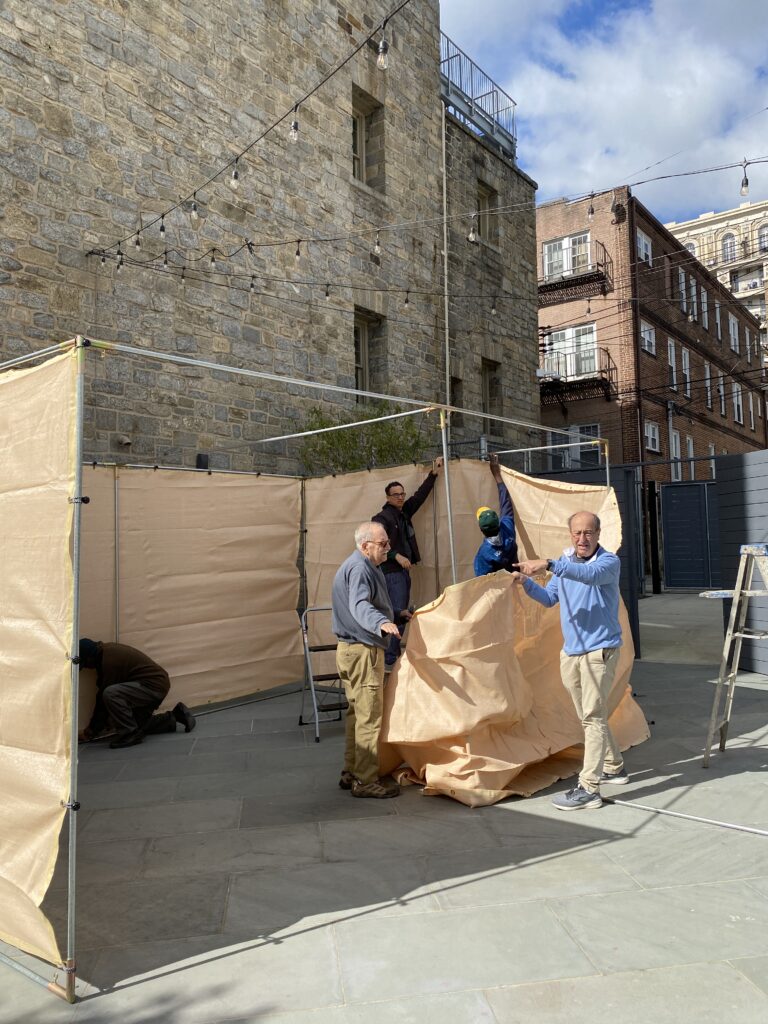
(499, 552)
(359, 602)
(588, 593)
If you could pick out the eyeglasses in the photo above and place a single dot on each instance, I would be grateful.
(588, 534)
(379, 543)
(397, 494)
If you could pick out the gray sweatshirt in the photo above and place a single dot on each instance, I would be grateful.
(360, 602)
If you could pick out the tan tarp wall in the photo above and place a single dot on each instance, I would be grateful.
(475, 706)
(208, 579)
(37, 430)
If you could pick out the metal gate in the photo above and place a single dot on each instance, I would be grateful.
(690, 535)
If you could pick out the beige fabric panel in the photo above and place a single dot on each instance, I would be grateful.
(208, 579)
(37, 430)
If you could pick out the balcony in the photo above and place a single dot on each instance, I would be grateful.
(590, 274)
(476, 100)
(569, 375)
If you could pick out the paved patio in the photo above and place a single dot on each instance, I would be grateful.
(223, 876)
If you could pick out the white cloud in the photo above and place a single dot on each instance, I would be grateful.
(601, 99)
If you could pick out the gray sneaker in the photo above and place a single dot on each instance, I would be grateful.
(619, 778)
(577, 799)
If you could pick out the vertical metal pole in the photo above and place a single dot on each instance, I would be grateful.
(607, 467)
(449, 509)
(116, 493)
(445, 282)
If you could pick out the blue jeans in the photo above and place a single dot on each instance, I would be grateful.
(399, 590)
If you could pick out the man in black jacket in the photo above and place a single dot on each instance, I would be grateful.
(395, 516)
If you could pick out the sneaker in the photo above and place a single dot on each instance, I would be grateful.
(346, 780)
(373, 789)
(577, 799)
(619, 778)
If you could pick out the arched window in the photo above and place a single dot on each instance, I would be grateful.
(729, 247)
(691, 248)
(762, 238)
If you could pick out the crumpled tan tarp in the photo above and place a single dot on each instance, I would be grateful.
(37, 431)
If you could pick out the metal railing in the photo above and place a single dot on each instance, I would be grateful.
(592, 259)
(575, 363)
(475, 99)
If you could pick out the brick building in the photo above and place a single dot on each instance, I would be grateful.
(111, 113)
(641, 344)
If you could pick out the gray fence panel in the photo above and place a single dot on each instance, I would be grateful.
(685, 518)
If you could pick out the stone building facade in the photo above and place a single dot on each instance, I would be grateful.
(641, 344)
(111, 113)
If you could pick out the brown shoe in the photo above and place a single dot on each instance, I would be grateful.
(389, 783)
(374, 789)
(346, 780)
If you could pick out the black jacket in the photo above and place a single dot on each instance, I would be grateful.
(400, 531)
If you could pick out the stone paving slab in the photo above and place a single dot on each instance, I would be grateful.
(161, 819)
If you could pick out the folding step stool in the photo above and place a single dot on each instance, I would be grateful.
(327, 699)
(751, 555)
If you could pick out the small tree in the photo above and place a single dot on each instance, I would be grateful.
(387, 443)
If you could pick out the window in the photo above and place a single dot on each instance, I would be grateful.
(580, 453)
(751, 407)
(721, 393)
(685, 370)
(708, 383)
(644, 248)
(672, 361)
(572, 352)
(733, 332)
(762, 238)
(718, 328)
(711, 448)
(728, 247)
(491, 394)
(691, 248)
(738, 409)
(652, 438)
(694, 301)
(705, 309)
(681, 294)
(648, 337)
(689, 453)
(487, 217)
(367, 139)
(674, 453)
(564, 256)
(748, 345)
(369, 334)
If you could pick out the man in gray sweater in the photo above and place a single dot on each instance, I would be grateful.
(362, 621)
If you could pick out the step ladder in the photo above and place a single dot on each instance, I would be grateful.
(324, 690)
(752, 555)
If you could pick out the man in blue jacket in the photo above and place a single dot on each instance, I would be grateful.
(585, 582)
(499, 548)
(362, 621)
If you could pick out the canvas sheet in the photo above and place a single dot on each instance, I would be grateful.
(37, 432)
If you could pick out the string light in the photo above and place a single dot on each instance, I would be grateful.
(252, 287)
(162, 225)
(293, 134)
(406, 304)
(119, 259)
(591, 210)
(589, 307)
(183, 270)
(234, 181)
(297, 255)
(493, 307)
(137, 243)
(103, 259)
(382, 59)
(472, 236)
(327, 291)
(213, 259)
(377, 246)
(194, 216)
(165, 258)
(744, 191)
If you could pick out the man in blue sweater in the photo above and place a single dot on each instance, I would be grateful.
(362, 622)
(585, 582)
(499, 548)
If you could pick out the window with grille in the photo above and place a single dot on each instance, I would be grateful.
(644, 248)
(652, 436)
(728, 247)
(565, 256)
(367, 139)
(648, 337)
(738, 409)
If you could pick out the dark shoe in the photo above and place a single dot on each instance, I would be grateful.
(389, 783)
(619, 778)
(577, 799)
(128, 739)
(373, 789)
(346, 780)
(184, 717)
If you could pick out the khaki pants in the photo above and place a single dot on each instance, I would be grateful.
(361, 670)
(588, 678)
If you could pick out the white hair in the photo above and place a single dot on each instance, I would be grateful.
(365, 532)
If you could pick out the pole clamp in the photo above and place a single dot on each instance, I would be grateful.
(72, 805)
(84, 500)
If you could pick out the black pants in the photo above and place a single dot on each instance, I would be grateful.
(131, 706)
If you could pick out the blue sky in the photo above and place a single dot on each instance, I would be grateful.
(606, 89)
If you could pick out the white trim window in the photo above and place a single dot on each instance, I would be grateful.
(708, 383)
(565, 256)
(681, 292)
(672, 364)
(644, 248)
(572, 352)
(581, 454)
(648, 337)
(652, 436)
(733, 332)
(705, 308)
(689, 453)
(718, 325)
(693, 297)
(676, 469)
(762, 238)
(721, 394)
(728, 247)
(712, 469)
(751, 408)
(738, 406)
(748, 345)
(685, 371)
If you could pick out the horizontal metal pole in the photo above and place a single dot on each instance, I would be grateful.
(187, 469)
(549, 447)
(58, 347)
(346, 426)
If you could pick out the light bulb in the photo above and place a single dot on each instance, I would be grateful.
(493, 308)
(297, 255)
(251, 289)
(407, 302)
(591, 210)
(165, 259)
(103, 259)
(194, 216)
(213, 259)
(327, 291)
(119, 261)
(744, 191)
(472, 236)
(382, 60)
(234, 181)
(293, 134)
(137, 243)
(162, 226)
(377, 246)
(183, 271)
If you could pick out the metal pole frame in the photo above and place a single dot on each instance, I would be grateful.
(60, 346)
(449, 509)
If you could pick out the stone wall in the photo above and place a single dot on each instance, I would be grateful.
(110, 112)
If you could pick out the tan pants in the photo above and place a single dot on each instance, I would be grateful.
(361, 670)
(588, 678)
